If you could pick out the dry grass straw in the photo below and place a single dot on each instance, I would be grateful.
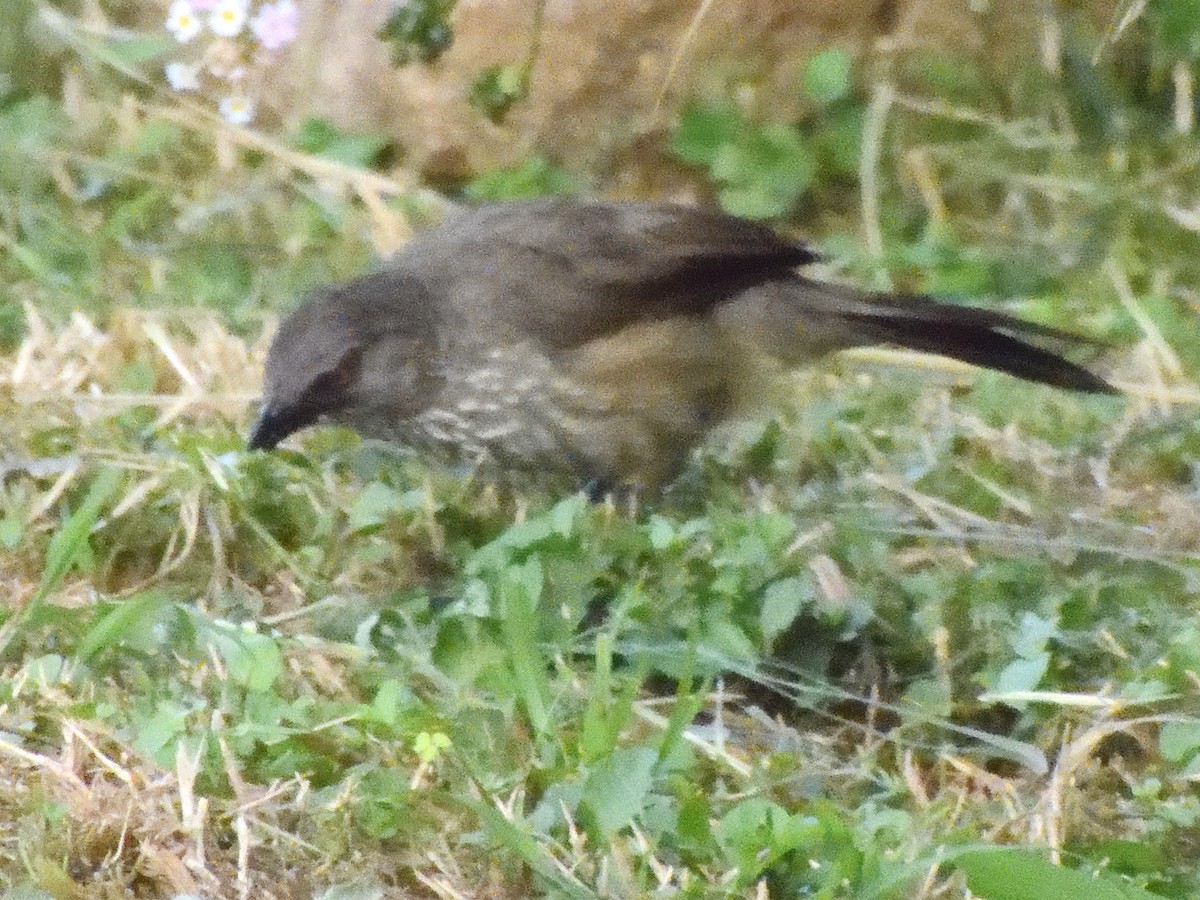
(198, 366)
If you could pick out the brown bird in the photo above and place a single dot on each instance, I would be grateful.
(599, 339)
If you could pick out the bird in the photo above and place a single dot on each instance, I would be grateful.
(600, 340)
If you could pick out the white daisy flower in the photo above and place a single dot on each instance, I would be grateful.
(182, 77)
(237, 110)
(228, 17)
(182, 21)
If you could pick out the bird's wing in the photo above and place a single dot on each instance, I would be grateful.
(570, 271)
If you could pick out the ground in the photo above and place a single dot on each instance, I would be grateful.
(919, 632)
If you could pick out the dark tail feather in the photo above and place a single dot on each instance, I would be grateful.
(981, 337)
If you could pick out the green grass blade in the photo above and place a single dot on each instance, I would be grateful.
(65, 548)
(520, 590)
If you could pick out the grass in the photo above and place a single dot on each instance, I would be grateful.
(926, 632)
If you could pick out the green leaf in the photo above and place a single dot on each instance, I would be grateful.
(375, 504)
(125, 52)
(12, 529)
(781, 604)
(761, 170)
(1177, 26)
(688, 704)
(1018, 874)
(757, 832)
(597, 734)
(418, 30)
(519, 591)
(1128, 857)
(497, 89)
(953, 77)
(728, 640)
(1179, 741)
(213, 275)
(322, 138)
(536, 177)
(703, 130)
(565, 516)
(28, 130)
(840, 139)
(130, 50)
(365, 888)
(662, 532)
(931, 695)
(746, 826)
(46, 669)
(1022, 674)
(133, 616)
(764, 173)
(381, 802)
(606, 717)
(753, 201)
(429, 746)
(392, 697)
(1191, 771)
(615, 791)
(827, 77)
(695, 822)
(253, 660)
(157, 732)
(1034, 634)
(154, 138)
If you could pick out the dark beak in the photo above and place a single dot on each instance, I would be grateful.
(268, 430)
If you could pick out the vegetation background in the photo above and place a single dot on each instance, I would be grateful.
(927, 632)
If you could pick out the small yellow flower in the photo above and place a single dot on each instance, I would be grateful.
(429, 747)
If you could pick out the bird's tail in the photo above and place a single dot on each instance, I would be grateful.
(983, 338)
(797, 319)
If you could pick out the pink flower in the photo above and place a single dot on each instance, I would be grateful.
(276, 24)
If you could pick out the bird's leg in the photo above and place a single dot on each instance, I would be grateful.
(598, 488)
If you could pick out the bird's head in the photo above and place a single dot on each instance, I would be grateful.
(352, 352)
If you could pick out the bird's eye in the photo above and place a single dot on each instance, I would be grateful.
(337, 381)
